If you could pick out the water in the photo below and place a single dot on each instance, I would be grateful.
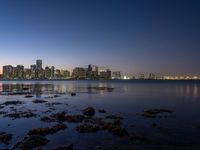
(178, 130)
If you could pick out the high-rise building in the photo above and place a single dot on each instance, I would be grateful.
(7, 72)
(106, 75)
(39, 64)
(79, 73)
(52, 72)
(27, 73)
(65, 74)
(20, 71)
(47, 73)
(116, 75)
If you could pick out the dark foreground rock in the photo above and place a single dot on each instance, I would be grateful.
(95, 124)
(17, 115)
(73, 94)
(89, 111)
(102, 111)
(5, 138)
(12, 103)
(47, 119)
(74, 118)
(48, 130)
(64, 147)
(60, 116)
(37, 101)
(29, 96)
(31, 142)
(87, 128)
(139, 138)
(152, 113)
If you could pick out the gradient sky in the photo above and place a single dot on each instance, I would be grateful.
(132, 36)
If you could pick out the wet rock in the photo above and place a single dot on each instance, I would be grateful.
(74, 118)
(54, 103)
(139, 138)
(89, 111)
(29, 96)
(5, 138)
(60, 116)
(73, 94)
(87, 128)
(31, 142)
(102, 111)
(154, 124)
(47, 119)
(48, 97)
(114, 117)
(55, 96)
(98, 147)
(152, 113)
(46, 131)
(117, 130)
(16, 115)
(13, 103)
(64, 147)
(3, 112)
(39, 101)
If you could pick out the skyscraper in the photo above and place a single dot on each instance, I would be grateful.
(39, 64)
(7, 71)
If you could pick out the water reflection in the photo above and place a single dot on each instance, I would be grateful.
(179, 89)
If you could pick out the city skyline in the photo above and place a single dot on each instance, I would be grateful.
(130, 36)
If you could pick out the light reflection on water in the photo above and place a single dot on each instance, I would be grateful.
(128, 97)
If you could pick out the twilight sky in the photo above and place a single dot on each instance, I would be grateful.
(128, 35)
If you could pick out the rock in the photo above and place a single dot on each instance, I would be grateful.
(39, 101)
(47, 119)
(12, 103)
(52, 104)
(64, 147)
(17, 115)
(31, 142)
(46, 131)
(119, 131)
(5, 138)
(114, 117)
(29, 96)
(55, 96)
(152, 113)
(86, 128)
(102, 111)
(74, 118)
(73, 94)
(60, 116)
(139, 138)
(98, 148)
(154, 124)
(89, 111)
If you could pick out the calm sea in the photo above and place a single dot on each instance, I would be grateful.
(128, 99)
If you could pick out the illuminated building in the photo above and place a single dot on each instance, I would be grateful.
(105, 75)
(79, 73)
(7, 72)
(39, 64)
(116, 75)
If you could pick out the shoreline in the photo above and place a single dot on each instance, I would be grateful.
(98, 80)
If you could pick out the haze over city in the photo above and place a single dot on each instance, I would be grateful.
(130, 36)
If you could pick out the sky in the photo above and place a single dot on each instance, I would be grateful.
(132, 36)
